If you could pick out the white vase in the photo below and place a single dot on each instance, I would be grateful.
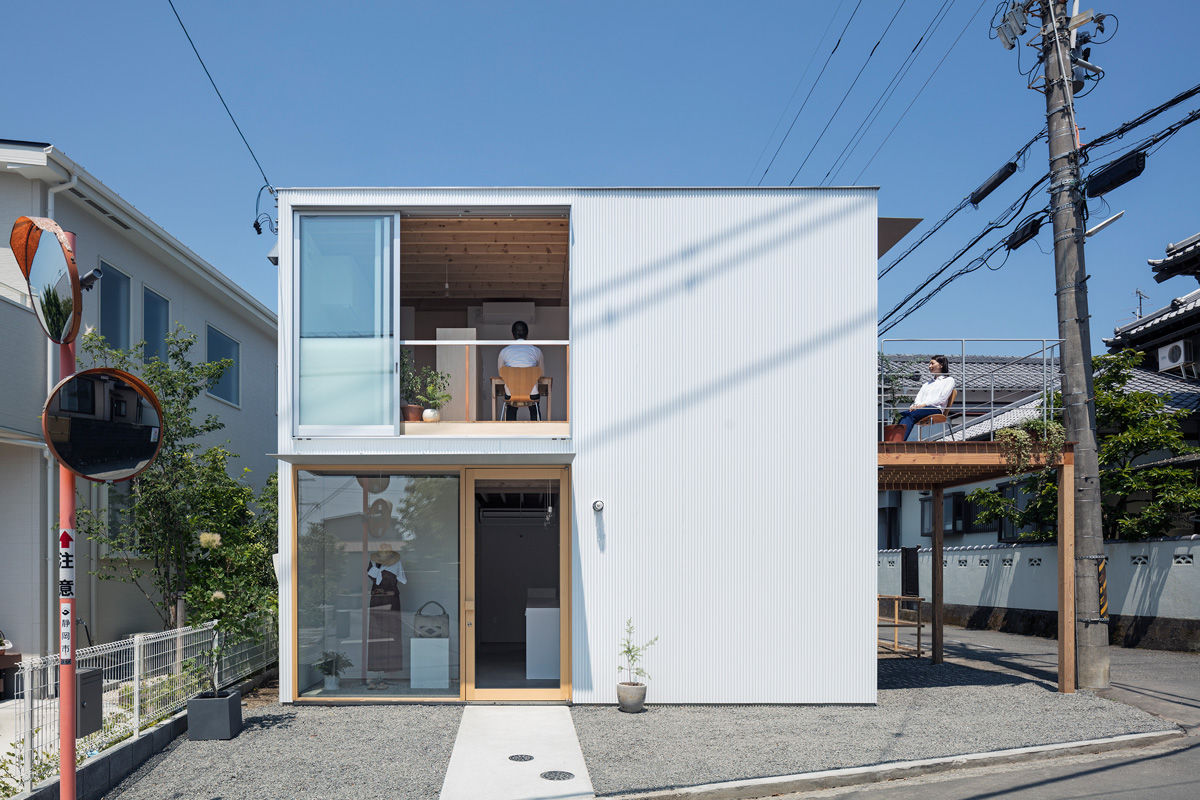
(431, 415)
(331, 683)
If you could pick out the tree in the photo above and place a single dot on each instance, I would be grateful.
(183, 499)
(1137, 502)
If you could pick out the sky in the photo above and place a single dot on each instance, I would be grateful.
(614, 93)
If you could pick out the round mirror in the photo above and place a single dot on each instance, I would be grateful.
(103, 424)
(48, 264)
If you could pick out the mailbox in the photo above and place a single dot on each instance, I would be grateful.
(89, 696)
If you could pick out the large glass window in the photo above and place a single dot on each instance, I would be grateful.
(219, 347)
(378, 584)
(114, 306)
(346, 348)
(156, 319)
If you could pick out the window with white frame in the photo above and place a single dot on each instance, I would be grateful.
(218, 346)
(156, 320)
(346, 348)
(114, 306)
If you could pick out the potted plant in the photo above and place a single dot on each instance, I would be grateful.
(332, 664)
(433, 393)
(215, 714)
(631, 693)
(410, 387)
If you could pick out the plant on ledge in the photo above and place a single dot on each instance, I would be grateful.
(1034, 435)
(433, 388)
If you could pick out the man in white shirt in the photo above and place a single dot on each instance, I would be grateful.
(933, 397)
(521, 355)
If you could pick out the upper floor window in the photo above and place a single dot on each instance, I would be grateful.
(220, 346)
(114, 306)
(346, 322)
(156, 320)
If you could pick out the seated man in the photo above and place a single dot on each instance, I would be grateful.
(521, 355)
(933, 397)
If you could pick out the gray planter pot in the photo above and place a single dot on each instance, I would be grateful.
(215, 717)
(631, 697)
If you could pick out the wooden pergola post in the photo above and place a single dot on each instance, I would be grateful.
(1066, 574)
(935, 466)
(938, 610)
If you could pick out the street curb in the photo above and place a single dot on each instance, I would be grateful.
(852, 776)
(97, 776)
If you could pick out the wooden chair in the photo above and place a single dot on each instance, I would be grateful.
(521, 382)
(937, 419)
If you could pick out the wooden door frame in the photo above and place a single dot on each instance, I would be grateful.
(467, 583)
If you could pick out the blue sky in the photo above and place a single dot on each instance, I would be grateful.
(614, 93)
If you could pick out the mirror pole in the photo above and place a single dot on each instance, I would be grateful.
(65, 547)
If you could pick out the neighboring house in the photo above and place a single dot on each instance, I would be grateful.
(150, 282)
(687, 335)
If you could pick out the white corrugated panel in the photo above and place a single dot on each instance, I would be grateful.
(722, 387)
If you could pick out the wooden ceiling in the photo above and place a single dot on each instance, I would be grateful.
(487, 258)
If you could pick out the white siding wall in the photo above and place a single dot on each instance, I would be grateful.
(739, 521)
(22, 541)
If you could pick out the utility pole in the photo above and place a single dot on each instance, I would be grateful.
(1070, 277)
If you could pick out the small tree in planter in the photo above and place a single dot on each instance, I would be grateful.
(410, 386)
(631, 693)
(332, 665)
(433, 392)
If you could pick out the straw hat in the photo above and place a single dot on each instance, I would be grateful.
(385, 556)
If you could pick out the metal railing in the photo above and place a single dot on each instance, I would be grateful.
(146, 678)
(1020, 400)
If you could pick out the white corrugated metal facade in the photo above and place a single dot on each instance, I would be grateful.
(722, 387)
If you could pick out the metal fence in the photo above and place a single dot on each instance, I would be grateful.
(146, 678)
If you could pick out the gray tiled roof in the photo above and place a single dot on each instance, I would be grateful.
(1179, 261)
(1180, 307)
(1184, 395)
(1004, 372)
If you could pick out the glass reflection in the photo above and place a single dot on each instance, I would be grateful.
(51, 288)
(377, 585)
(103, 424)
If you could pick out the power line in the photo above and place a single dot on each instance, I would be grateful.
(1141, 119)
(810, 91)
(919, 91)
(799, 83)
(1003, 220)
(889, 90)
(221, 97)
(1020, 154)
(853, 83)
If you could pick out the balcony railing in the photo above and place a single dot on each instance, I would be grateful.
(994, 392)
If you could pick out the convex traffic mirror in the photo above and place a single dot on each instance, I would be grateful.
(103, 424)
(48, 264)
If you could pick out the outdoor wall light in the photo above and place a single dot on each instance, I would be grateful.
(597, 506)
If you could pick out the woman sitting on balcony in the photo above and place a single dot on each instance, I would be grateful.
(933, 397)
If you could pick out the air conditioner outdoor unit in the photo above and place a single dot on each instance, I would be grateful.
(1174, 355)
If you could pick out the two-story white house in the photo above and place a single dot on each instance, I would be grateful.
(149, 282)
(704, 461)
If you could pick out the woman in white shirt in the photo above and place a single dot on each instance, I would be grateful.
(933, 397)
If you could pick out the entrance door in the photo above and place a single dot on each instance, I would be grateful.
(516, 585)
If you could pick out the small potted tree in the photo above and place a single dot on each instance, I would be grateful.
(410, 387)
(433, 393)
(332, 664)
(631, 693)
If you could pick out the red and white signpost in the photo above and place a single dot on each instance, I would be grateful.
(65, 544)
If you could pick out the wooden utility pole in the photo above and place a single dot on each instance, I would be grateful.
(1066, 210)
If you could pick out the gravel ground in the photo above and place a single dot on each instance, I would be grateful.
(924, 711)
(363, 752)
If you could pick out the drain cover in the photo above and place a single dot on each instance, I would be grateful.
(520, 757)
(558, 775)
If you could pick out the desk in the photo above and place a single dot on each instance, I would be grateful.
(545, 382)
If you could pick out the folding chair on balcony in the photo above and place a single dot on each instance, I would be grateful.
(923, 425)
(520, 383)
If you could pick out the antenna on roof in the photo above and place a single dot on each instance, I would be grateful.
(1140, 295)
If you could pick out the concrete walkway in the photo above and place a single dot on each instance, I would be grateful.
(516, 753)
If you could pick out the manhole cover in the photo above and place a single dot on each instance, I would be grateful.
(558, 775)
(520, 757)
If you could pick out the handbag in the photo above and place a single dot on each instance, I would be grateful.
(432, 626)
